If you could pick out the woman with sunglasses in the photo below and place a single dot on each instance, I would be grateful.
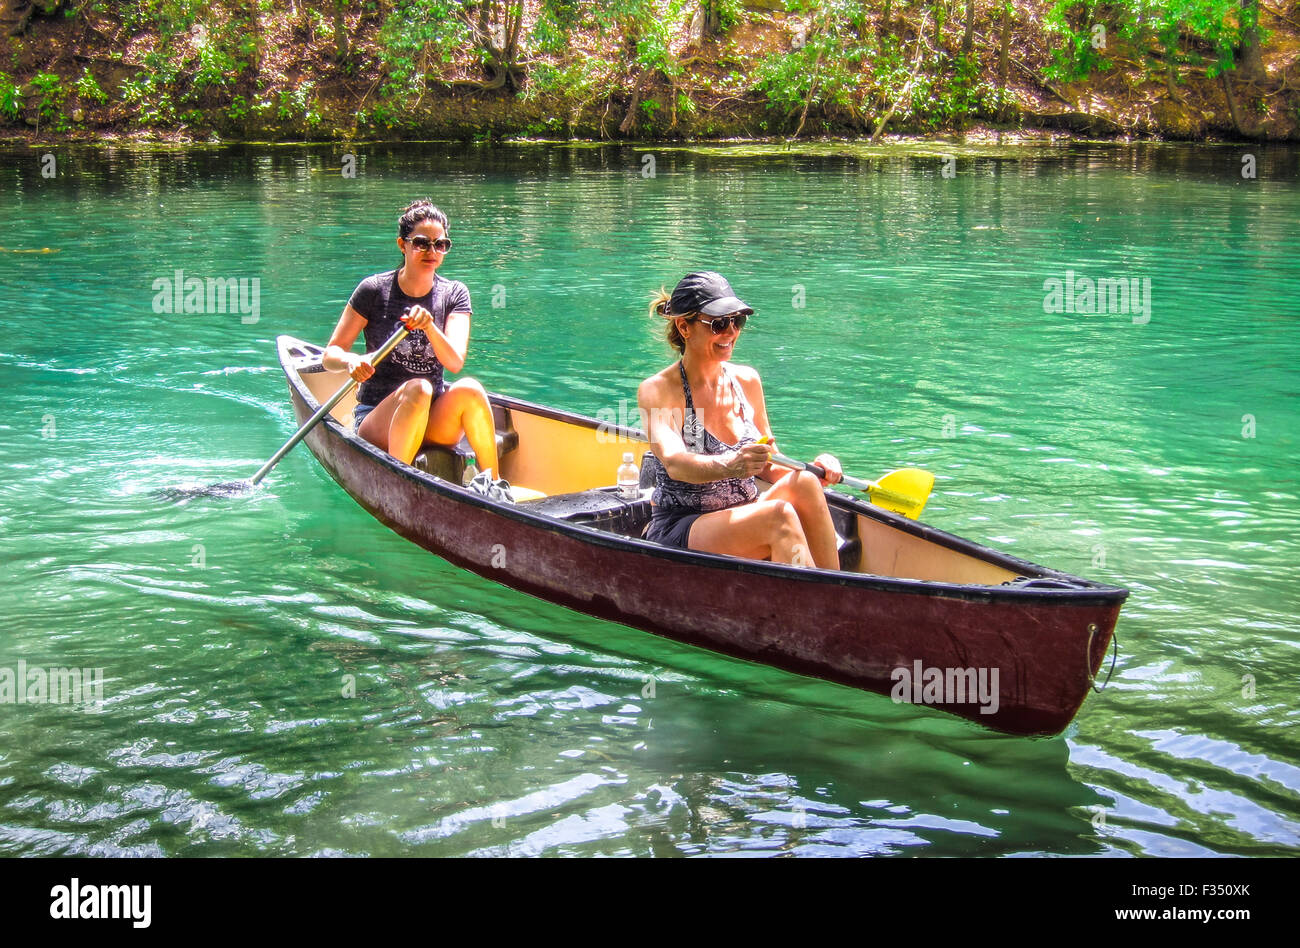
(403, 403)
(705, 416)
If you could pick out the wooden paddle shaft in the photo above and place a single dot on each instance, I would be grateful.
(380, 354)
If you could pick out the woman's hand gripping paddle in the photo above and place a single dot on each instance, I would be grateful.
(904, 491)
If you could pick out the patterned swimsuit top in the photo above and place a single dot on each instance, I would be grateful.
(715, 495)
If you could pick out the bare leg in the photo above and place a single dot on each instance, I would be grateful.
(804, 491)
(464, 409)
(397, 424)
(763, 528)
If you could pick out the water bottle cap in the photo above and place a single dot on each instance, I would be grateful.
(627, 457)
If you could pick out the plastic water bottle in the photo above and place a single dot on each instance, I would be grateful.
(629, 478)
(471, 471)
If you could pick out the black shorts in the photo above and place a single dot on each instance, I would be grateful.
(671, 526)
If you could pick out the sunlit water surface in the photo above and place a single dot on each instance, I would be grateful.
(283, 675)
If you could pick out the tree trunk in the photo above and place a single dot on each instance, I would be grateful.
(1232, 104)
(907, 88)
(255, 30)
(630, 118)
(886, 15)
(340, 30)
(1004, 55)
(712, 17)
(1250, 61)
(968, 38)
(499, 40)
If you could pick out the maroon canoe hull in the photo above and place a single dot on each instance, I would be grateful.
(1046, 645)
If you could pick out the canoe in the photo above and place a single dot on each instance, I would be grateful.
(915, 613)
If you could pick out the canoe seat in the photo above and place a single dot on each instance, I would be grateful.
(600, 507)
(850, 550)
(848, 541)
(449, 462)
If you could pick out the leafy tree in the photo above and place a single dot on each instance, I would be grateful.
(1172, 32)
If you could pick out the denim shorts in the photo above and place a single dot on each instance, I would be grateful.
(359, 415)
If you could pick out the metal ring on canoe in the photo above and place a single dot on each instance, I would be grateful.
(1114, 641)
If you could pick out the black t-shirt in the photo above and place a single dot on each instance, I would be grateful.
(381, 301)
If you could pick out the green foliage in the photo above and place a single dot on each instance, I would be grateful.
(217, 67)
(549, 35)
(845, 72)
(238, 108)
(727, 12)
(10, 100)
(1205, 22)
(647, 26)
(652, 52)
(299, 105)
(848, 73)
(566, 14)
(556, 22)
(147, 91)
(416, 36)
(827, 70)
(951, 101)
(1079, 55)
(1177, 31)
(169, 17)
(89, 90)
(53, 93)
(586, 78)
(202, 49)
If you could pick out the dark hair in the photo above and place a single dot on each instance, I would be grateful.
(421, 210)
(660, 307)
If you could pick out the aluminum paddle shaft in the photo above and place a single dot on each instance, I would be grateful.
(904, 491)
(380, 354)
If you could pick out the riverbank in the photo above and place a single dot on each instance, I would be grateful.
(654, 70)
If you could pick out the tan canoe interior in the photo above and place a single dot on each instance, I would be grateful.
(558, 457)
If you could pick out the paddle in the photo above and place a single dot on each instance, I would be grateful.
(231, 488)
(904, 491)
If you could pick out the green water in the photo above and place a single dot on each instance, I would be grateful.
(1158, 454)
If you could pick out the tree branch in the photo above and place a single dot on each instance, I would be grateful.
(911, 80)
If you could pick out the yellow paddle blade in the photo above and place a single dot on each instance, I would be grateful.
(904, 491)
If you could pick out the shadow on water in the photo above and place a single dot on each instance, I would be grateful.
(713, 754)
(226, 489)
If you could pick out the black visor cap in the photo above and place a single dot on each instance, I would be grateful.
(708, 293)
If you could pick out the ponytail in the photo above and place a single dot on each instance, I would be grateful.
(660, 309)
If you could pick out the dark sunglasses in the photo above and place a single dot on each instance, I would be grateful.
(424, 244)
(719, 324)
